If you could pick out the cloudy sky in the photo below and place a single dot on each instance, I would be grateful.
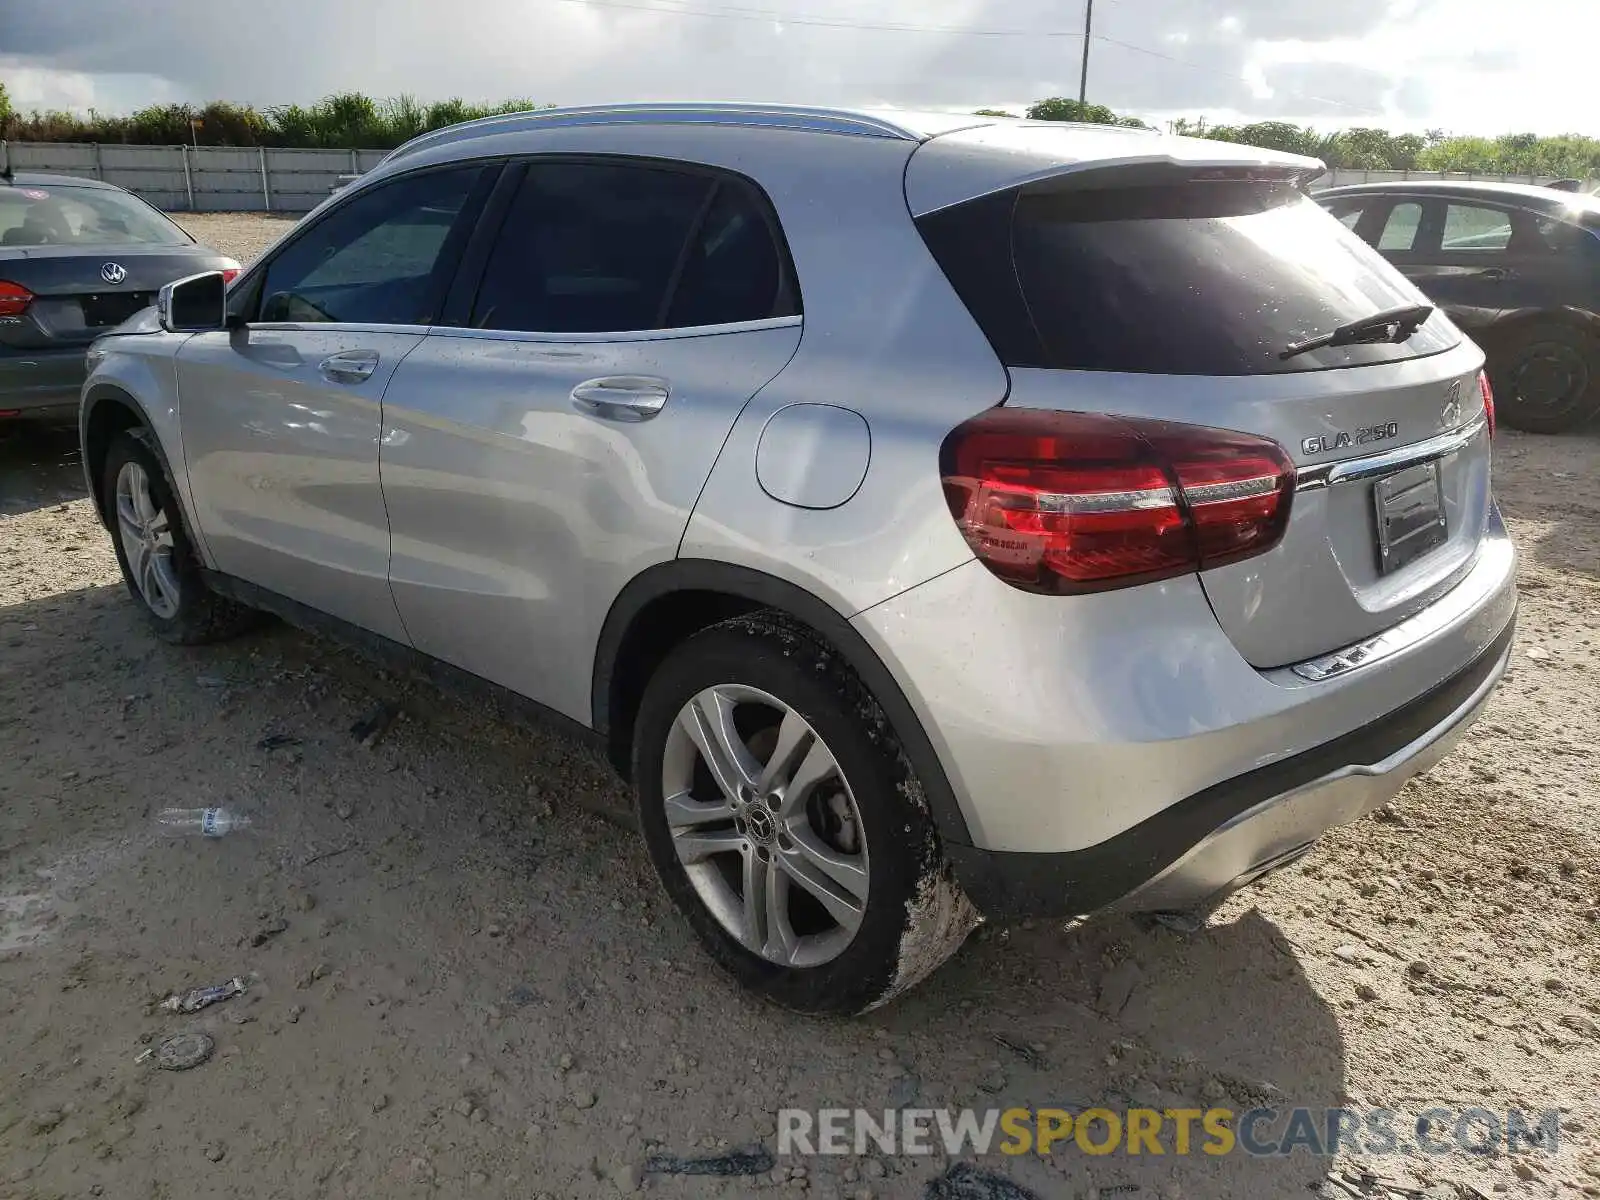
(1478, 66)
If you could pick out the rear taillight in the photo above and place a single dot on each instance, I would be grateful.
(229, 274)
(14, 299)
(1487, 392)
(1078, 502)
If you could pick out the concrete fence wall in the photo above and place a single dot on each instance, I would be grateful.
(229, 179)
(1343, 176)
(201, 179)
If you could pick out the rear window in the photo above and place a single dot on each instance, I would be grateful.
(62, 215)
(1200, 278)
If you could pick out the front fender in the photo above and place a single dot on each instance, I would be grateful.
(139, 373)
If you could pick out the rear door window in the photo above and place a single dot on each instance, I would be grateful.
(1469, 227)
(1400, 229)
(1194, 278)
(593, 247)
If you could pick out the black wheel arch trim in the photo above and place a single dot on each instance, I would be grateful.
(99, 394)
(768, 591)
(1512, 322)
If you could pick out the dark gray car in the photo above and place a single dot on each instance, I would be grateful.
(1517, 267)
(77, 258)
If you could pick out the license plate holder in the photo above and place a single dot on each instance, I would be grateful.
(1409, 506)
(103, 309)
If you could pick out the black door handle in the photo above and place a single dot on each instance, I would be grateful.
(1497, 274)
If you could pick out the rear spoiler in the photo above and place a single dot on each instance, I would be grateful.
(972, 163)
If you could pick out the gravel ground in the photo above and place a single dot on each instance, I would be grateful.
(460, 979)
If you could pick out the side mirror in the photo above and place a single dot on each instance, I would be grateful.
(197, 304)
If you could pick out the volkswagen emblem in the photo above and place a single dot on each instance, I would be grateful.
(113, 272)
(1450, 414)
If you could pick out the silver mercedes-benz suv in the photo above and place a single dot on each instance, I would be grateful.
(934, 517)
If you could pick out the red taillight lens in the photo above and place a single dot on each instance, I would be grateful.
(1073, 502)
(1488, 399)
(229, 274)
(14, 299)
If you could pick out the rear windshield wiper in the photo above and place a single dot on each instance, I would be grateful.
(1390, 325)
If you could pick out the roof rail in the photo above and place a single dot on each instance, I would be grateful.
(771, 116)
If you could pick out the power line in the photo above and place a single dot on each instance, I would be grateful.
(1194, 66)
(770, 16)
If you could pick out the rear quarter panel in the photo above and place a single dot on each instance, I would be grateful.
(885, 337)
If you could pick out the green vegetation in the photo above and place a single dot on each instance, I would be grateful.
(352, 121)
(1570, 155)
(349, 121)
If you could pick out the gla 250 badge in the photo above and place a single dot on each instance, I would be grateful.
(1366, 435)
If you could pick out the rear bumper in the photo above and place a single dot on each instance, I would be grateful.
(1116, 749)
(1231, 834)
(42, 383)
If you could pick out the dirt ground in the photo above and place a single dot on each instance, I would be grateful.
(462, 981)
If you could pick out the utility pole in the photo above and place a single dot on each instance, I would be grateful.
(1083, 79)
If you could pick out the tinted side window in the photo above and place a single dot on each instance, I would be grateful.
(734, 270)
(589, 248)
(1400, 230)
(379, 259)
(1469, 227)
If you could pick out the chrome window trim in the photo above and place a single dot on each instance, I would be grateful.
(325, 326)
(621, 335)
(1329, 474)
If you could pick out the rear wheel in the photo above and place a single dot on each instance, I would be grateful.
(1546, 379)
(787, 825)
(158, 563)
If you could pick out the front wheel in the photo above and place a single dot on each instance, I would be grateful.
(1546, 379)
(786, 824)
(153, 549)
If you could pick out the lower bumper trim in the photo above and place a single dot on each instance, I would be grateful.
(1009, 884)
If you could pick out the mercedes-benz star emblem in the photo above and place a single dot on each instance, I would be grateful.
(113, 272)
(1450, 414)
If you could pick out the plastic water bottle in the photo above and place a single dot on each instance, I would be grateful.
(206, 822)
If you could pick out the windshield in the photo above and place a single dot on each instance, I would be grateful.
(64, 215)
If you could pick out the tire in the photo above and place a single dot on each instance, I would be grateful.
(1546, 379)
(174, 597)
(903, 912)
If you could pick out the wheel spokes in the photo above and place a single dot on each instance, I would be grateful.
(817, 765)
(684, 811)
(128, 515)
(163, 590)
(144, 504)
(756, 878)
(782, 943)
(698, 845)
(837, 881)
(795, 738)
(708, 719)
(764, 810)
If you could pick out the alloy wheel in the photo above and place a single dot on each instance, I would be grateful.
(147, 541)
(765, 825)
